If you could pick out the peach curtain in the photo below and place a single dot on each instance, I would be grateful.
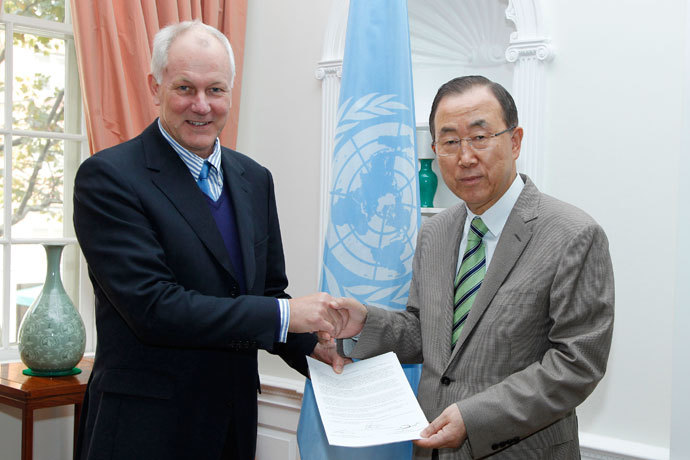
(113, 41)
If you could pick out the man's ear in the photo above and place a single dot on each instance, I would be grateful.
(154, 87)
(516, 140)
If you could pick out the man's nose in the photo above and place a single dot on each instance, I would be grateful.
(200, 104)
(466, 156)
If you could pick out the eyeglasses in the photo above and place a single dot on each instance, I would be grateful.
(451, 146)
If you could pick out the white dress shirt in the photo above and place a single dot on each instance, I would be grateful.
(494, 218)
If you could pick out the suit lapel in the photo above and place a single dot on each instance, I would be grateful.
(514, 238)
(239, 190)
(171, 176)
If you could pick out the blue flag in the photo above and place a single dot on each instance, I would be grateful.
(374, 199)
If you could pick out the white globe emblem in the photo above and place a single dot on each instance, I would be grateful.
(374, 203)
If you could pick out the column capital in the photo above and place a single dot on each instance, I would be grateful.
(539, 48)
(329, 68)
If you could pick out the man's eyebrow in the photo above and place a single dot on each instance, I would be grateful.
(188, 82)
(448, 129)
(479, 123)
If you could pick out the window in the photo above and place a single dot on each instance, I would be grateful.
(42, 145)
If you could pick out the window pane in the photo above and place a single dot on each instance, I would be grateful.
(51, 10)
(38, 179)
(2, 76)
(2, 183)
(2, 313)
(39, 83)
(27, 276)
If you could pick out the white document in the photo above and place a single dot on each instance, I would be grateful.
(370, 403)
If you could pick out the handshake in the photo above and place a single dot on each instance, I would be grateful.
(338, 318)
(331, 318)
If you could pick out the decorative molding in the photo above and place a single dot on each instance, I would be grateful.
(334, 39)
(279, 406)
(521, 49)
(529, 50)
(330, 73)
(278, 386)
(468, 33)
(595, 447)
(526, 15)
(329, 69)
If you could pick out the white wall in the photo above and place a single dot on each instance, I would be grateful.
(279, 126)
(681, 341)
(613, 139)
(53, 433)
(614, 123)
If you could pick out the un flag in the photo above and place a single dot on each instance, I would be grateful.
(374, 198)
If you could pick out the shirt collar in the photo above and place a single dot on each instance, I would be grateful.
(496, 216)
(192, 161)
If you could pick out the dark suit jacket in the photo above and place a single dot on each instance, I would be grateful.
(175, 373)
(536, 341)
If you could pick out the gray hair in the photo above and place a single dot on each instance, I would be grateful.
(168, 34)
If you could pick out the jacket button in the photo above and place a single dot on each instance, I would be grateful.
(445, 380)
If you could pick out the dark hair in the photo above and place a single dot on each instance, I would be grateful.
(462, 84)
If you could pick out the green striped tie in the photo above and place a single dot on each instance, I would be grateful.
(470, 276)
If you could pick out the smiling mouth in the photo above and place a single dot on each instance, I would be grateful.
(198, 123)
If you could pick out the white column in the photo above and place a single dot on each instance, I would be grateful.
(528, 91)
(330, 73)
(530, 50)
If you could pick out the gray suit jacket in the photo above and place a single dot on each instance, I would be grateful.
(536, 341)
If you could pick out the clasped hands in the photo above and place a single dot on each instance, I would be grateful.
(331, 318)
(337, 318)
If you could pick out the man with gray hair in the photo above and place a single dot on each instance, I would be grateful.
(182, 240)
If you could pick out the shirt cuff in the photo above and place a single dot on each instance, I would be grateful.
(284, 312)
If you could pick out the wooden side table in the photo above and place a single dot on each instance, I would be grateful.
(29, 393)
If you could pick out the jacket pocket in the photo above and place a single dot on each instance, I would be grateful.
(133, 382)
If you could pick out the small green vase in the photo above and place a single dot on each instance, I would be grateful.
(427, 183)
(52, 337)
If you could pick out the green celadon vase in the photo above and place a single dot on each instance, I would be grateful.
(52, 336)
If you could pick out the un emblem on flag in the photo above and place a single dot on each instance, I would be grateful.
(374, 214)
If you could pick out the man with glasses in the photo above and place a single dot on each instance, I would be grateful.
(511, 304)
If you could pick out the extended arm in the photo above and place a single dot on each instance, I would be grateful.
(131, 254)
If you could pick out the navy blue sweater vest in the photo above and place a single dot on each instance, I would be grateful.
(224, 215)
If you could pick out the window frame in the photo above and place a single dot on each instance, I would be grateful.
(85, 299)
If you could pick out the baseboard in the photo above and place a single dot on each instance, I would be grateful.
(596, 447)
(280, 402)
